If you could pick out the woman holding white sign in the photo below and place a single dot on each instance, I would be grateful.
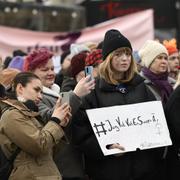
(118, 84)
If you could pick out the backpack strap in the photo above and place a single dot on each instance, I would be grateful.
(17, 151)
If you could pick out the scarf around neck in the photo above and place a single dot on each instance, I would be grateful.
(160, 81)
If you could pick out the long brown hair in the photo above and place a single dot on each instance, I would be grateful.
(106, 71)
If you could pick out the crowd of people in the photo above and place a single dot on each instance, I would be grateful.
(55, 138)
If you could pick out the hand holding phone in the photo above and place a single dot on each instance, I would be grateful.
(65, 97)
(84, 86)
(62, 112)
(89, 71)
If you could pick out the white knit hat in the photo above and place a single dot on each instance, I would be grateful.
(77, 48)
(149, 51)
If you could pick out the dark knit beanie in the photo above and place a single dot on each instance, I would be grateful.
(99, 46)
(113, 40)
(78, 63)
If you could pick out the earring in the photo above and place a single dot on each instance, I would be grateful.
(21, 99)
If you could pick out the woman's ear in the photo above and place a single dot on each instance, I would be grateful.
(19, 89)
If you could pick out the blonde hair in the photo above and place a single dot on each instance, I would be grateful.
(107, 72)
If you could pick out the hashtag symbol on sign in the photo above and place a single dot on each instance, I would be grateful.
(100, 128)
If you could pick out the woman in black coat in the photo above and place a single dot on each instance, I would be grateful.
(118, 84)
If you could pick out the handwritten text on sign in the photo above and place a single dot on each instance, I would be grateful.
(141, 125)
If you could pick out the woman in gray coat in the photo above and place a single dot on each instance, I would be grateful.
(40, 63)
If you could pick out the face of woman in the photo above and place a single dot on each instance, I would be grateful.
(121, 59)
(66, 64)
(46, 74)
(173, 62)
(32, 91)
(160, 64)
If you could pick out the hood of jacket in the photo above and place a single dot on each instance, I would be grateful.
(53, 91)
(7, 103)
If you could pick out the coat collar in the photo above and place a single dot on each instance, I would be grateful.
(137, 79)
(18, 105)
(53, 91)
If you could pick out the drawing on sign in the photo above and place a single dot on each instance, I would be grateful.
(159, 128)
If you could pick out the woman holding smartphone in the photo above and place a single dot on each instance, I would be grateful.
(40, 63)
(21, 126)
(118, 83)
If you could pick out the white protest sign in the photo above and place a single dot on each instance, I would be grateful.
(141, 125)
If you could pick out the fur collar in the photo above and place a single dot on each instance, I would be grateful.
(53, 91)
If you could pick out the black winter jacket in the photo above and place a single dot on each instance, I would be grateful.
(130, 165)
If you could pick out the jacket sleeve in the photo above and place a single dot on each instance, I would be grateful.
(83, 135)
(68, 84)
(25, 133)
(45, 111)
(75, 102)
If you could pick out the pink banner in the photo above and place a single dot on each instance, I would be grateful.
(137, 27)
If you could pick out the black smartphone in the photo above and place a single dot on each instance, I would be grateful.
(89, 71)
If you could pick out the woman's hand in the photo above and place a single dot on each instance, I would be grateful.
(84, 86)
(116, 146)
(62, 112)
(66, 120)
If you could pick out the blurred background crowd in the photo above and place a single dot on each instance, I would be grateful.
(73, 15)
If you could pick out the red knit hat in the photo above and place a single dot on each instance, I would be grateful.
(37, 59)
(78, 63)
(171, 46)
(94, 58)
